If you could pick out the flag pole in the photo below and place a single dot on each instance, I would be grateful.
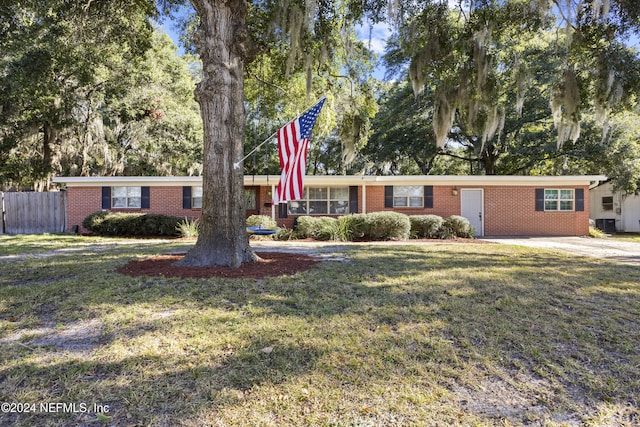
(237, 165)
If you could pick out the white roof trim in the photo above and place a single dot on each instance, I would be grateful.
(262, 180)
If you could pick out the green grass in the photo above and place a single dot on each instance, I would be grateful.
(630, 237)
(32, 243)
(434, 334)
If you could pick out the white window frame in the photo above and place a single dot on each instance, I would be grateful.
(413, 196)
(607, 206)
(196, 197)
(132, 197)
(306, 200)
(559, 200)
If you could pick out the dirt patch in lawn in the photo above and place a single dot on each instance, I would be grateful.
(270, 264)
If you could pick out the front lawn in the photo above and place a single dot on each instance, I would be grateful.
(429, 334)
(628, 237)
(34, 243)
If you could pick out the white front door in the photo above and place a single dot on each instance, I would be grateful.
(472, 208)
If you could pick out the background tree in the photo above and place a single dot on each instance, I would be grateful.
(403, 140)
(274, 95)
(55, 56)
(78, 100)
(497, 73)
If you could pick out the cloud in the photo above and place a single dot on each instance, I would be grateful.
(374, 36)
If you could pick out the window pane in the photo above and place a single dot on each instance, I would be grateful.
(196, 191)
(416, 202)
(550, 194)
(416, 190)
(134, 202)
(134, 191)
(316, 208)
(408, 191)
(566, 194)
(297, 208)
(399, 201)
(318, 193)
(119, 202)
(118, 192)
(339, 207)
(550, 205)
(400, 191)
(196, 203)
(566, 205)
(339, 193)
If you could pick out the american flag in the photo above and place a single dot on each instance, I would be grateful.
(293, 145)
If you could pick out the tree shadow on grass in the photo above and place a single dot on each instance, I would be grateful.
(567, 325)
(148, 390)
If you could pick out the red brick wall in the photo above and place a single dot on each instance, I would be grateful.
(444, 203)
(83, 201)
(508, 210)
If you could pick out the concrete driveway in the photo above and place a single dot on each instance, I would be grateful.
(605, 248)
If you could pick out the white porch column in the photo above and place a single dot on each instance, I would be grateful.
(273, 206)
(364, 198)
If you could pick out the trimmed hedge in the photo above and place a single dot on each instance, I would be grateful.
(317, 227)
(388, 226)
(378, 226)
(362, 227)
(456, 226)
(425, 226)
(131, 224)
(382, 226)
(373, 226)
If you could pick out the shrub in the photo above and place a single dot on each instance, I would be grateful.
(131, 224)
(317, 227)
(263, 221)
(377, 226)
(285, 234)
(425, 226)
(188, 228)
(388, 226)
(342, 232)
(596, 232)
(456, 226)
(356, 226)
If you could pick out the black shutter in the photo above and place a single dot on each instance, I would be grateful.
(283, 210)
(145, 201)
(428, 196)
(539, 199)
(186, 197)
(353, 199)
(388, 196)
(579, 199)
(106, 197)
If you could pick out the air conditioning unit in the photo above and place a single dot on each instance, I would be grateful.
(606, 225)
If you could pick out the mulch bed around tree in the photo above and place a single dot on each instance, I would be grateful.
(271, 264)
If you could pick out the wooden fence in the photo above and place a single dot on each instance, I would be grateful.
(33, 213)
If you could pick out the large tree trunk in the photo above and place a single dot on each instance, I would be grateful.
(221, 42)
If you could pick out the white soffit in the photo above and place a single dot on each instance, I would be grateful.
(336, 180)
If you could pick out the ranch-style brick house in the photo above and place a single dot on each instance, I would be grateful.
(495, 205)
